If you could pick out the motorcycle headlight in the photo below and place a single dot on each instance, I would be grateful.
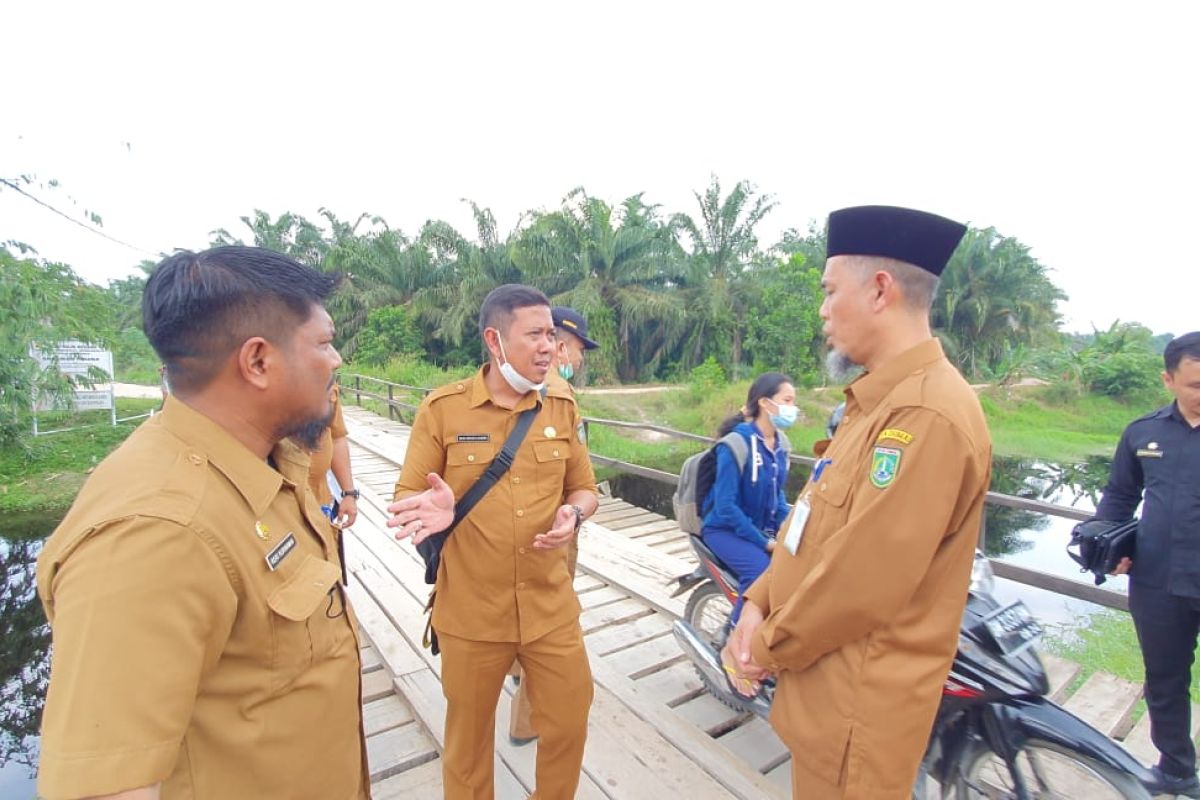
(983, 580)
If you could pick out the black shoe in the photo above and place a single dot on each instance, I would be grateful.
(519, 742)
(1168, 784)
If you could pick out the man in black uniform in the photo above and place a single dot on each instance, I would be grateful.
(1159, 455)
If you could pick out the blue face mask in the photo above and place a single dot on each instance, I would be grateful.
(566, 371)
(785, 417)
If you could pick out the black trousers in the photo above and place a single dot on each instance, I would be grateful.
(1166, 626)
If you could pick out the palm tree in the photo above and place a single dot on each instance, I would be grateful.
(994, 298)
(614, 266)
(723, 249)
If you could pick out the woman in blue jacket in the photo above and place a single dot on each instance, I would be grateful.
(746, 506)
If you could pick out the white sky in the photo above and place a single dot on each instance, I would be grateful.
(1072, 126)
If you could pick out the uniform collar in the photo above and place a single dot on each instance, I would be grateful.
(479, 393)
(254, 479)
(870, 388)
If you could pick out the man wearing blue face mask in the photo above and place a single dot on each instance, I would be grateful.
(571, 330)
(747, 504)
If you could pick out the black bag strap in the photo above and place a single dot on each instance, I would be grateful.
(496, 469)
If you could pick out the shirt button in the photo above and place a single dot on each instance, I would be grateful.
(556, 454)
(471, 457)
(521, 550)
(459, 387)
(521, 585)
(195, 459)
(824, 486)
(516, 479)
(520, 512)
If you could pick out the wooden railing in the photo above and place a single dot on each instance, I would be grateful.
(353, 385)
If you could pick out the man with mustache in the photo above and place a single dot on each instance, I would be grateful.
(858, 612)
(504, 591)
(203, 646)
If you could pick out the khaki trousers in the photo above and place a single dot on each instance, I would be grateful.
(811, 786)
(559, 683)
(520, 717)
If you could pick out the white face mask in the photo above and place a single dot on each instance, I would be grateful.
(519, 383)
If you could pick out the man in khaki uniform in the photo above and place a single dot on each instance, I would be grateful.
(203, 647)
(333, 453)
(504, 591)
(858, 613)
(571, 341)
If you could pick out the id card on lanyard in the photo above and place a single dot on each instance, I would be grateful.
(795, 524)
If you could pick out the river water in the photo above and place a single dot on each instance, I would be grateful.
(1024, 538)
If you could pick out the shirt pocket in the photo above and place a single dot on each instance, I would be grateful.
(829, 499)
(300, 631)
(467, 460)
(551, 456)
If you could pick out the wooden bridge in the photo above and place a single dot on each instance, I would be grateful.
(653, 731)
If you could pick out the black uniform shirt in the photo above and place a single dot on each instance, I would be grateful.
(1160, 455)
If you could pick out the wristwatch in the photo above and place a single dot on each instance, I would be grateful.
(578, 516)
(355, 493)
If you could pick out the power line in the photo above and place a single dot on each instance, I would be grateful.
(16, 188)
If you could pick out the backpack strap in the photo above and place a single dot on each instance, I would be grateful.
(738, 447)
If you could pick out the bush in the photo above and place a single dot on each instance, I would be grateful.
(1122, 374)
(707, 377)
(389, 332)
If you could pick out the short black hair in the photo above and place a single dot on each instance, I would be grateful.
(197, 308)
(500, 303)
(1181, 347)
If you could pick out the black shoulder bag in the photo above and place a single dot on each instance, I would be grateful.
(431, 547)
(1098, 545)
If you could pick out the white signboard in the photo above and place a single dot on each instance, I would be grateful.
(77, 359)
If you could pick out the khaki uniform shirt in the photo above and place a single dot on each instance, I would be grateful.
(179, 655)
(862, 621)
(322, 457)
(492, 584)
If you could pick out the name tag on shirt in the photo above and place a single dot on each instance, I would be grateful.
(795, 525)
(280, 551)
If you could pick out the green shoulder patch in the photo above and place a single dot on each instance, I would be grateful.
(885, 463)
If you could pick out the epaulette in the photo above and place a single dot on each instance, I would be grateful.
(563, 391)
(448, 389)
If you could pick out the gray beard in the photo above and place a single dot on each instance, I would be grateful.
(840, 368)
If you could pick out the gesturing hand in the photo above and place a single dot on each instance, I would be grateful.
(562, 532)
(424, 514)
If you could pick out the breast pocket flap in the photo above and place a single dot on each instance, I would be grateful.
(300, 595)
(551, 450)
(467, 454)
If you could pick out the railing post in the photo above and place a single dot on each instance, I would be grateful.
(358, 390)
(391, 399)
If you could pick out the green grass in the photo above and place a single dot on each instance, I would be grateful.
(45, 473)
(1104, 641)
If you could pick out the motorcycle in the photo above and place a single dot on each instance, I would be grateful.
(996, 734)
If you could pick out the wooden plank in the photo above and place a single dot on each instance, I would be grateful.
(390, 649)
(676, 684)
(618, 637)
(613, 613)
(606, 516)
(376, 685)
(1137, 741)
(1106, 703)
(397, 750)
(370, 658)
(636, 568)
(585, 583)
(756, 744)
(384, 714)
(423, 782)
(736, 776)
(781, 776)
(1059, 672)
(647, 657)
(710, 715)
(650, 527)
(602, 596)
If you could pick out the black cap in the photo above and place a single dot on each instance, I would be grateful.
(571, 320)
(914, 237)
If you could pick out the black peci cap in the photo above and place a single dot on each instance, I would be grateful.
(914, 237)
(571, 320)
